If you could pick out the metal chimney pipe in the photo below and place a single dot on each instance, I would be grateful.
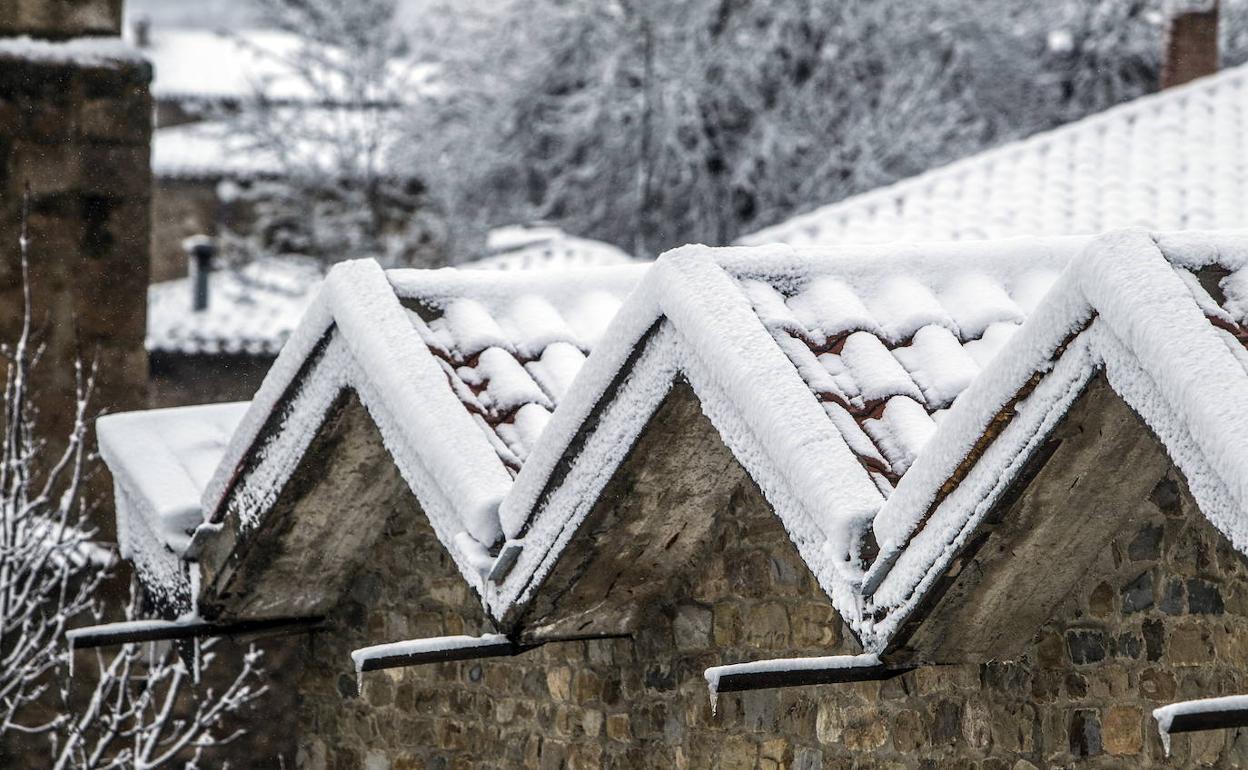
(200, 249)
(142, 28)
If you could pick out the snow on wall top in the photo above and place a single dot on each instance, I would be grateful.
(211, 65)
(1169, 161)
(164, 457)
(251, 310)
(88, 51)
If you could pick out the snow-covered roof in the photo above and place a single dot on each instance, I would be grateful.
(225, 148)
(544, 247)
(892, 391)
(160, 459)
(251, 310)
(1170, 161)
(195, 64)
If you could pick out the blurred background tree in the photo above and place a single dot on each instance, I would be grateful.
(650, 124)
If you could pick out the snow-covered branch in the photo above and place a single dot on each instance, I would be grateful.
(133, 710)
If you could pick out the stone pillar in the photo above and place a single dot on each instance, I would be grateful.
(75, 125)
(1191, 42)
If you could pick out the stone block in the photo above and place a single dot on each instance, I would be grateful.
(1189, 645)
(618, 727)
(807, 759)
(1146, 545)
(61, 19)
(692, 627)
(591, 722)
(1101, 601)
(767, 627)
(1173, 597)
(1157, 685)
(1154, 639)
(115, 170)
(111, 120)
(977, 724)
(585, 756)
(49, 169)
(1050, 650)
(737, 753)
(908, 731)
(1122, 731)
(814, 625)
(1204, 598)
(559, 683)
(1085, 645)
(727, 624)
(1137, 596)
(857, 728)
(1085, 733)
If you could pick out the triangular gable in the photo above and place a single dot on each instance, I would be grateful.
(726, 321)
(1135, 307)
(745, 329)
(413, 346)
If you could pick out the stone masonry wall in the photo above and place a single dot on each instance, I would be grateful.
(1173, 623)
(79, 135)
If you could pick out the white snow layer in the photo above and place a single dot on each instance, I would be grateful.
(211, 65)
(84, 51)
(714, 674)
(1165, 714)
(164, 458)
(1159, 352)
(251, 310)
(734, 323)
(1167, 161)
(418, 646)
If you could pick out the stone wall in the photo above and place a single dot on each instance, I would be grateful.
(178, 380)
(1172, 624)
(79, 135)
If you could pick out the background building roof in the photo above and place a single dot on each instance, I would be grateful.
(1173, 160)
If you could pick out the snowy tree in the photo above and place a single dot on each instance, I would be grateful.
(139, 708)
(651, 124)
(340, 194)
(149, 710)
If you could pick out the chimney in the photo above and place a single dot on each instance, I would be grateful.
(1191, 41)
(200, 250)
(142, 29)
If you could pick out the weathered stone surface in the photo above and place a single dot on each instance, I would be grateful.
(1138, 595)
(642, 703)
(1122, 731)
(1085, 733)
(1086, 646)
(1204, 597)
(88, 242)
